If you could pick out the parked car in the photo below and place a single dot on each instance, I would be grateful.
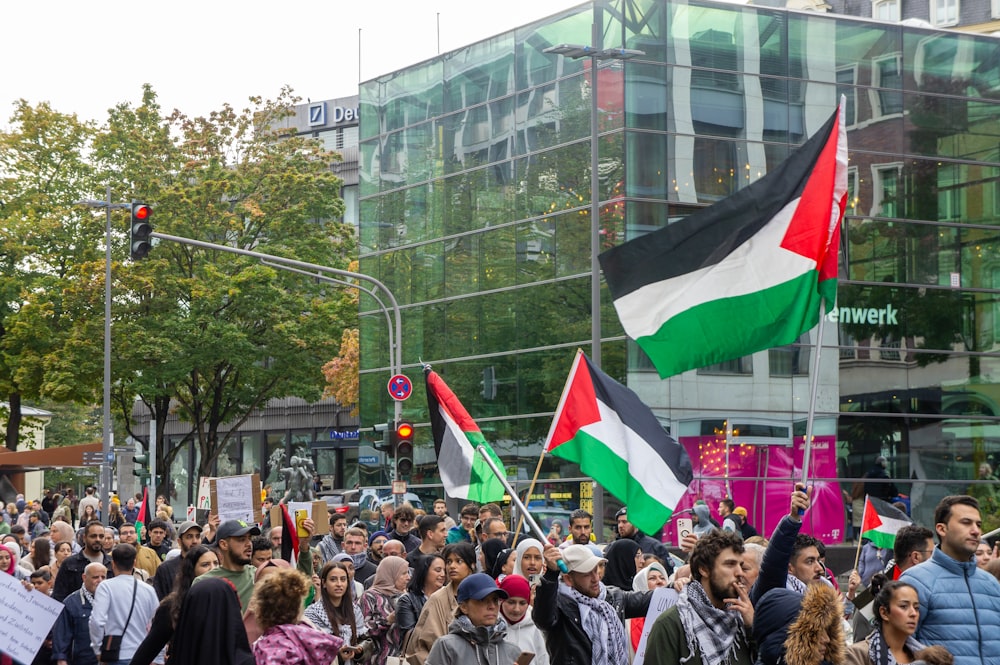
(340, 502)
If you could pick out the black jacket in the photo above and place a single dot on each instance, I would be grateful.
(559, 617)
(650, 545)
(70, 576)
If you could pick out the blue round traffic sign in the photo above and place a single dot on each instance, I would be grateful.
(400, 387)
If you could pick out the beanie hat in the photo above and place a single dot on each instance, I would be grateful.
(516, 586)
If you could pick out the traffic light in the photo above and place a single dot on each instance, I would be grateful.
(403, 449)
(141, 468)
(138, 237)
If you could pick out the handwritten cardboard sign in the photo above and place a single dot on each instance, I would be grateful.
(317, 511)
(236, 497)
(26, 617)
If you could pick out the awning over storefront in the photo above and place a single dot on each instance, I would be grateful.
(47, 458)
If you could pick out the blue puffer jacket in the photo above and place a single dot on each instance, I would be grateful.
(959, 608)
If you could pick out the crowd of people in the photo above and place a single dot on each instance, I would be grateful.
(428, 590)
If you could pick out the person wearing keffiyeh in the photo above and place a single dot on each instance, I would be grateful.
(583, 620)
(709, 625)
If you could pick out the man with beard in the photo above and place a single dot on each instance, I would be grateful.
(708, 625)
(583, 620)
(71, 633)
(70, 577)
(235, 550)
(146, 559)
(647, 544)
(188, 535)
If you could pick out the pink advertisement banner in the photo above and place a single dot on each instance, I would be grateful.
(760, 478)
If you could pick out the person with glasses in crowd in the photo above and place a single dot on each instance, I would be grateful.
(403, 521)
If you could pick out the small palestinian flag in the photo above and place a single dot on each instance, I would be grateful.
(881, 522)
(615, 438)
(289, 537)
(145, 516)
(464, 472)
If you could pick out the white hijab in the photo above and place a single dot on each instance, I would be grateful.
(522, 547)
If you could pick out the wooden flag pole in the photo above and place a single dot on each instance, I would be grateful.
(857, 556)
(531, 488)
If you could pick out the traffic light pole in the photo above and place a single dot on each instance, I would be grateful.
(395, 356)
(104, 486)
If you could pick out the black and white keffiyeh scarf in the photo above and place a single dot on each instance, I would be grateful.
(879, 652)
(606, 631)
(715, 634)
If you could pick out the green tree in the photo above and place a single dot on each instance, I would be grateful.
(209, 334)
(50, 262)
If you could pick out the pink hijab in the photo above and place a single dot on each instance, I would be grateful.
(388, 570)
(15, 556)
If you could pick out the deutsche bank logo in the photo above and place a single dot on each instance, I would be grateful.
(317, 114)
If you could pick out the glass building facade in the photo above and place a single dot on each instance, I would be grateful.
(475, 209)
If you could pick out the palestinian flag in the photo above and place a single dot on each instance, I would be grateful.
(615, 438)
(145, 516)
(463, 470)
(289, 537)
(881, 522)
(744, 275)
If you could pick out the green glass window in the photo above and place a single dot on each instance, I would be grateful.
(479, 73)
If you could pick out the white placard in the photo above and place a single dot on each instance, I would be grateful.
(235, 497)
(663, 598)
(204, 494)
(26, 617)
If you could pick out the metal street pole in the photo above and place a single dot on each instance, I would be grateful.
(107, 434)
(395, 356)
(596, 53)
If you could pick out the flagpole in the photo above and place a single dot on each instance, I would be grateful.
(531, 488)
(814, 387)
(532, 524)
(857, 556)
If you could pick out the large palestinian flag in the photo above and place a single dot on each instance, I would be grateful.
(881, 522)
(747, 273)
(615, 438)
(463, 470)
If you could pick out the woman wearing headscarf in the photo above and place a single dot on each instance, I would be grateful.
(653, 576)
(895, 610)
(277, 603)
(622, 556)
(516, 611)
(439, 611)
(336, 612)
(209, 628)
(378, 605)
(9, 563)
(529, 562)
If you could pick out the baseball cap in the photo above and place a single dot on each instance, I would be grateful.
(477, 586)
(740, 510)
(187, 526)
(580, 558)
(236, 528)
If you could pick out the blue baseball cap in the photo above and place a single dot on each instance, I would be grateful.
(477, 586)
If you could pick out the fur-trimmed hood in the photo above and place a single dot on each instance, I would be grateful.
(787, 625)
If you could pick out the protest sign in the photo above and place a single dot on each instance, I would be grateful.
(663, 598)
(236, 497)
(26, 617)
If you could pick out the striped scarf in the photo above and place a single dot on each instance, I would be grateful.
(602, 624)
(716, 634)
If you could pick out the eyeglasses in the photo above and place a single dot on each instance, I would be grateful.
(500, 533)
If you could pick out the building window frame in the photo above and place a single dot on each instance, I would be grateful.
(944, 12)
(891, 9)
(882, 106)
(878, 189)
(848, 88)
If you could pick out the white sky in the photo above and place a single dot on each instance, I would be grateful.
(85, 57)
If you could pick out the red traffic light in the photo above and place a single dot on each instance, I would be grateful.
(141, 212)
(404, 430)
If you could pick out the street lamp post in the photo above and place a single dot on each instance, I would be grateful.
(596, 53)
(104, 486)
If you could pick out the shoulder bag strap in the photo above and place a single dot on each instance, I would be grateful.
(135, 587)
